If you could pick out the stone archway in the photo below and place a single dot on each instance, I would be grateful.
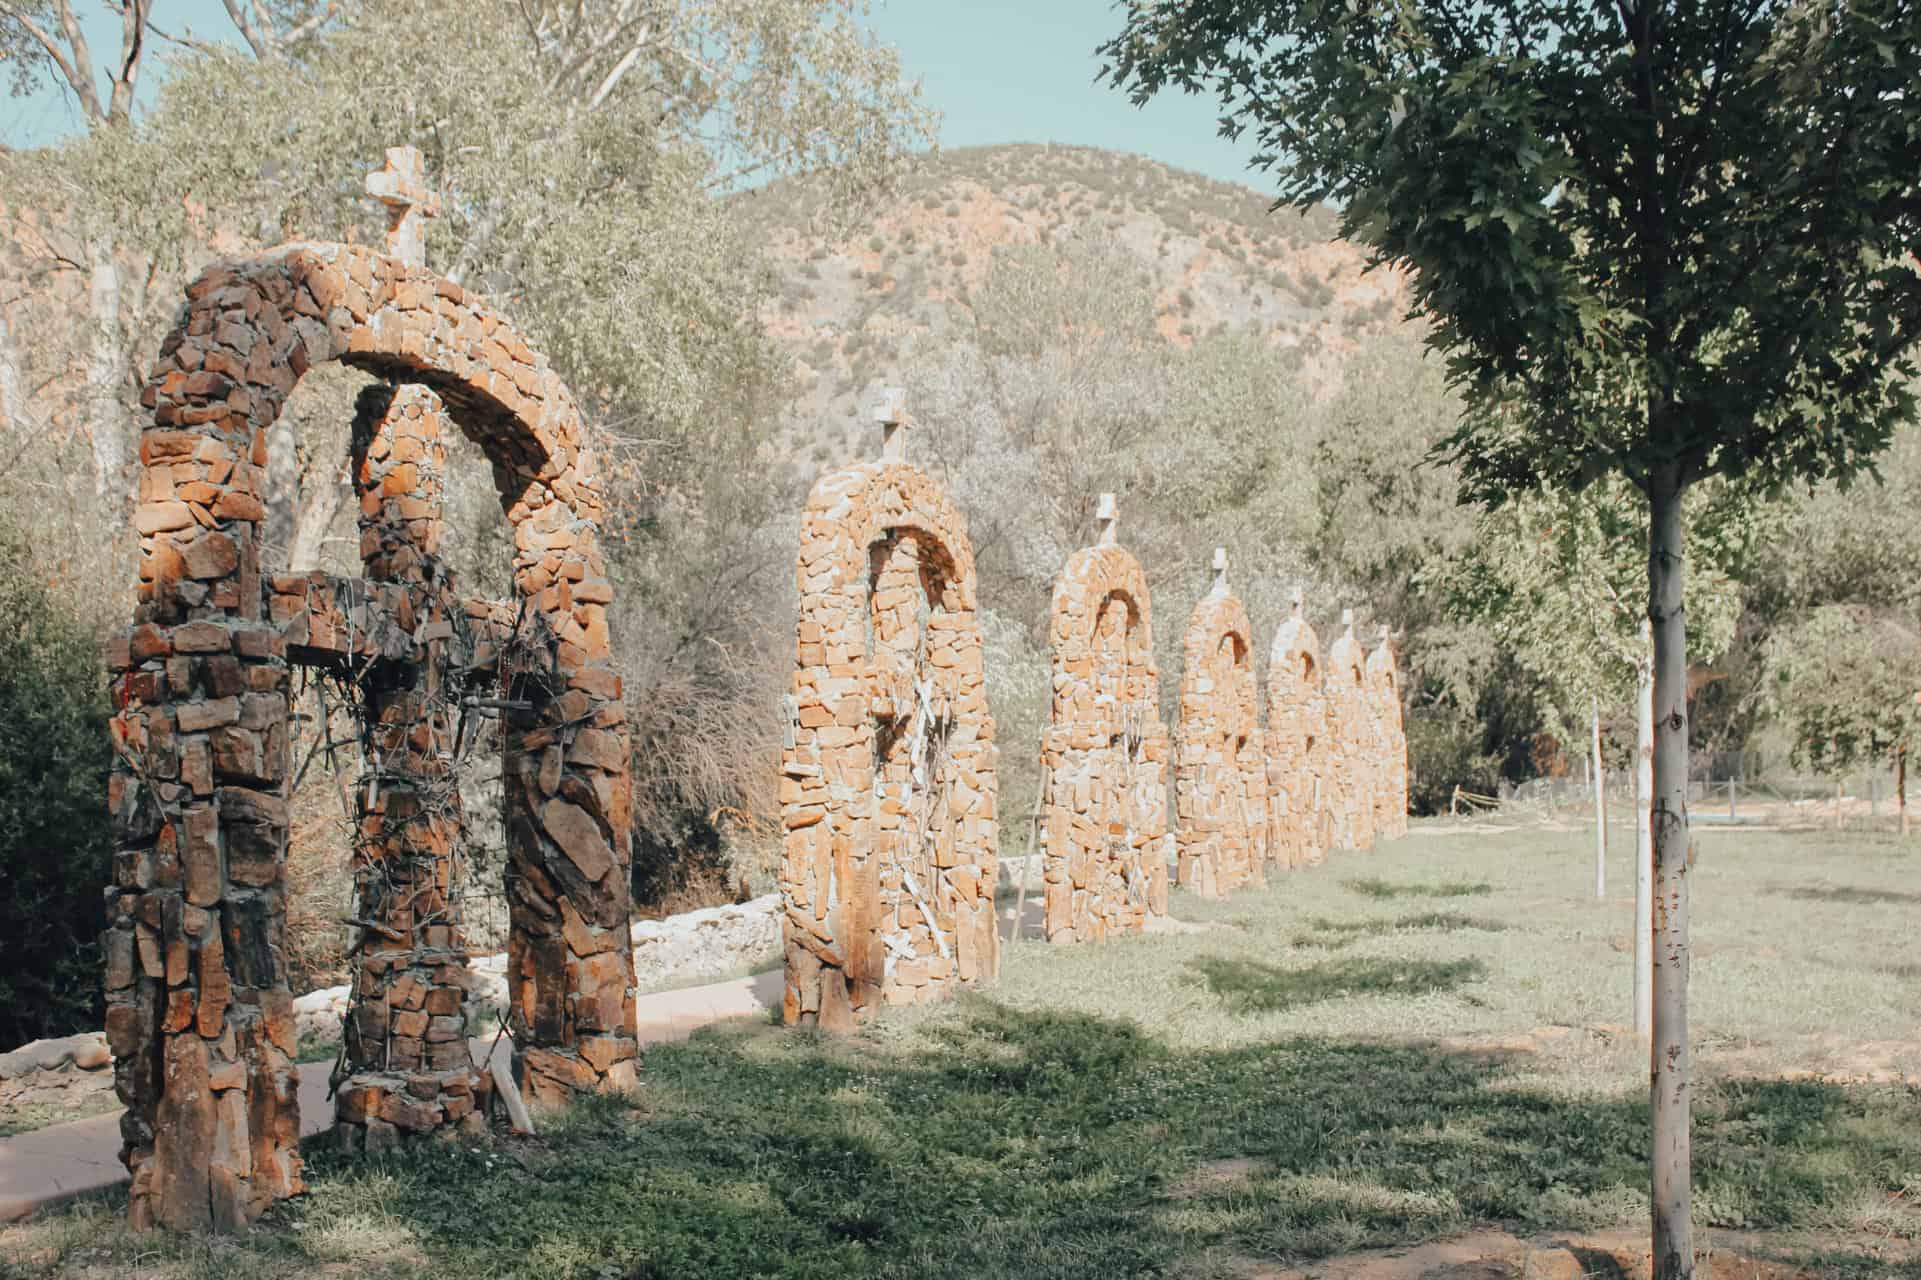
(1384, 684)
(1350, 715)
(888, 790)
(198, 1010)
(1104, 755)
(1297, 754)
(1221, 780)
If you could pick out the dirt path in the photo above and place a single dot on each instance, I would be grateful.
(1500, 1255)
(62, 1160)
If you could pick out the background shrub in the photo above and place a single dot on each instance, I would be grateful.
(55, 845)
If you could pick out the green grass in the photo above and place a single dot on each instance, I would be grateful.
(1328, 934)
(1171, 1104)
(1253, 987)
(1371, 888)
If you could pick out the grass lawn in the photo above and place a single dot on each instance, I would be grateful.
(1380, 1051)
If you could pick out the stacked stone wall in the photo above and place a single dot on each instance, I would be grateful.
(1350, 711)
(1104, 755)
(1297, 755)
(888, 788)
(1336, 749)
(410, 1069)
(1221, 781)
(199, 1015)
(1383, 677)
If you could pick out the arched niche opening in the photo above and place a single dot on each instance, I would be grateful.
(1103, 807)
(888, 772)
(204, 1040)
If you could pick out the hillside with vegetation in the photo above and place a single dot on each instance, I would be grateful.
(1066, 321)
(854, 296)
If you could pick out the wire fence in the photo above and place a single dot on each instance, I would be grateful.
(1721, 791)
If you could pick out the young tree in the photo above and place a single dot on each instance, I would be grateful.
(1844, 682)
(1665, 239)
(1560, 578)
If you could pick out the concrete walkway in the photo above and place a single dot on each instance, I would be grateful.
(63, 1160)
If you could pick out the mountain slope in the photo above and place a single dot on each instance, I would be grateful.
(851, 300)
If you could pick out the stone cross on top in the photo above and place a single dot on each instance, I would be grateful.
(891, 413)
(1347, 621)
(1107, 515)
(1220, 571)
(402, 187)
(1297, 599)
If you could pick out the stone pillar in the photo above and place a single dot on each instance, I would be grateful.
(888, 772)
(199, 1016)
(406, 1033)
(1295, 755)
(1104, 755)
(1349, 714)
(569, 802)
(1221, 790)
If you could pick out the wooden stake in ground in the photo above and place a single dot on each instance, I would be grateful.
(1033, 834)
(1600, 813)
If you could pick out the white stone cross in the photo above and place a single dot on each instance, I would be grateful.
(1107, 514)
(1298, 599)
(1220, 571)
(402, 187)
(891, 413)
(1347, 620)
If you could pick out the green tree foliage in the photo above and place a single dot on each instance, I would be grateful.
(1837, 659)
(55, 847)
(1560, 578)
(1664, 239)
(1844, 683)
(590, 160)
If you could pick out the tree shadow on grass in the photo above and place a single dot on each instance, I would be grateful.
(996, 1142)
(1854, 897)
(1370, 887)
(1248, 986)
(1329, 935)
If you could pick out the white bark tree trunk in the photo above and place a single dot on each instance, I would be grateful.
(13, 379)
(1644, 839)
(106, 415)
(1669, 1089)
(313, 519)
(1600, 813)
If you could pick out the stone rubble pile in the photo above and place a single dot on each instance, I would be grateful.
(66, 1072)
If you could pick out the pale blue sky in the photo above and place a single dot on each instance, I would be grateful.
(998, 70)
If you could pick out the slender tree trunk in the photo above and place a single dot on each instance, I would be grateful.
(1600, 813)
(313, 519)
(1901, 788)
(106, 417)
(13, 379)
(1668, 1084)
(1644, 839)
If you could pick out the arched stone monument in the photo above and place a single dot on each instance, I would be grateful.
(1350, 713)
(199, 1015)
(1104, 754)
(1384, 682)
(888, 791)
(1297, 754)
(1221, 780)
